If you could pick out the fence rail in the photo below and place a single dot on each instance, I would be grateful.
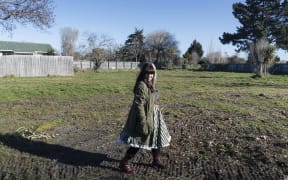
(250, 68)
(232, 67)
(107, 65)
(32, 66)
(279, 69)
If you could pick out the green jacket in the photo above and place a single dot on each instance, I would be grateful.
(139, 123)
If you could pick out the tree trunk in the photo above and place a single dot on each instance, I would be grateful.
(259, 70)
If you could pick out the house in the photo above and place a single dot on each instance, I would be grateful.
(25, 48)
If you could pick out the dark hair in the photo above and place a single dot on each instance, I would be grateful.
(147, 68)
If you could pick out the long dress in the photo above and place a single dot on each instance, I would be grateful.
(160, 138)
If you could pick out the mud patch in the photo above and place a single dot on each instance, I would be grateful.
(205, 144)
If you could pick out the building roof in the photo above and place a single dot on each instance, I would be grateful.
(24, 47)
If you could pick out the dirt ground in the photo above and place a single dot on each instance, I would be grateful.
(205, 144)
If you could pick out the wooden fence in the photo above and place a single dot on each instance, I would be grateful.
(32, 66)
(83, 64)
(280, 68)
(249, 68)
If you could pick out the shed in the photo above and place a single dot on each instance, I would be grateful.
(25, 48)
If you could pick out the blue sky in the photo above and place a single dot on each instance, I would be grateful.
(187, 20)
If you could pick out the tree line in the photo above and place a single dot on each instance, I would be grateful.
(158, 46)
(263, 29)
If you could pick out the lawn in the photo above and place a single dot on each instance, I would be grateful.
(223, 126)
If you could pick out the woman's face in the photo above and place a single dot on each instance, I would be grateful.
(149, 76)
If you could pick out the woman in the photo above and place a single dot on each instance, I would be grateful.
(145, 127)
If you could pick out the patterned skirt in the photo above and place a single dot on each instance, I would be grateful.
(160, 136)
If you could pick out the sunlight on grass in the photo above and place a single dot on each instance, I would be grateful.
(48, 126)
(90, 97)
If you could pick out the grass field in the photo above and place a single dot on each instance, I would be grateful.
(223, 126)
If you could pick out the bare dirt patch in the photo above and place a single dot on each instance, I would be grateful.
(206, 144)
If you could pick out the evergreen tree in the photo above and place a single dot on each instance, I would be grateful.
(133, 47)
(260, 19)
(195, 47)
(282, 30)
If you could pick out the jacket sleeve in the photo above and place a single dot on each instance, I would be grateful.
(140, 103)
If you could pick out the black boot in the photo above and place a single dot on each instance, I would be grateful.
(156, 159)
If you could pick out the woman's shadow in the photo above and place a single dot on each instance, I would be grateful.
(60, 153)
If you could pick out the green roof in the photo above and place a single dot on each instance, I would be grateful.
(24, 46)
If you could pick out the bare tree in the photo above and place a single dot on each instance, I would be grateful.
(114, 52)
(98, 56)
(97, 48)
(69, 37)
(159, 44)
(36, 12)
(214, 57)
(94, 40)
